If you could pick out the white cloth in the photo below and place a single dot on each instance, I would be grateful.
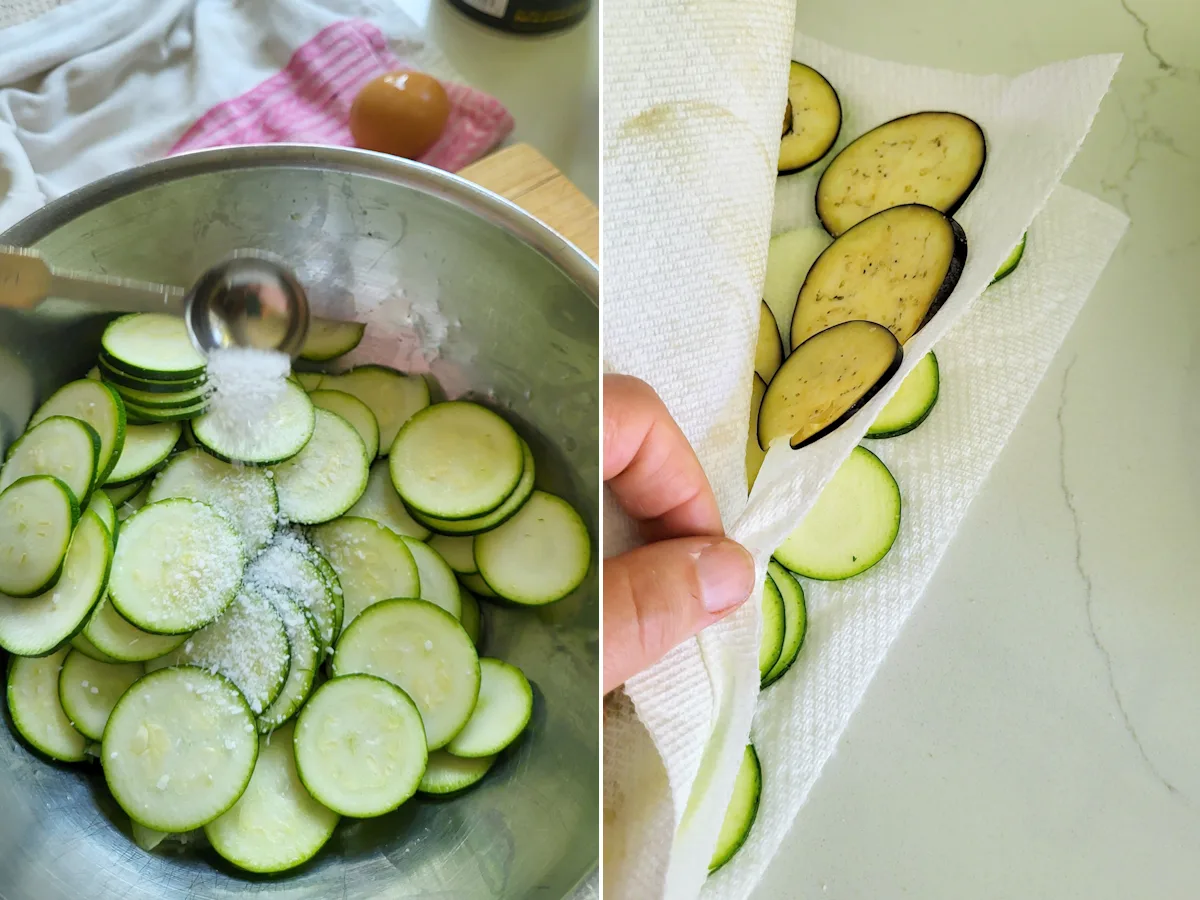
(97, 86)
(690, 147)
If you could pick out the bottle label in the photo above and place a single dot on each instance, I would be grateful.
(495, 8)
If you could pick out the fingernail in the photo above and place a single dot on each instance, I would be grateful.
(726, 574)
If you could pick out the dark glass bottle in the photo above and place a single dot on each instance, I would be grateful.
(525, 16)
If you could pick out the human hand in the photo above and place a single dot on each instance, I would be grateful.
(688, 575)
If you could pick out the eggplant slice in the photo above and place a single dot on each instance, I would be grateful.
(826, 380)
(932, 158)
(754, 453)
(811, 121)
(896, 268)
(769, 352)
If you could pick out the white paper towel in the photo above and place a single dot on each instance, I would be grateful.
(693, 102)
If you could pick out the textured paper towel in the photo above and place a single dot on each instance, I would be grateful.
(690, 144)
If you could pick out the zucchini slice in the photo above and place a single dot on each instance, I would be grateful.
(811, 121)
(475, 583)
(538, 556)
(421, 649)
(1011, 261)
(372, 563)
(912, 403)
(359, 746)
(768, 353)
(62, 446)
(754, 453)
(471, 617)
(245, 495)
(851, 527)
(380, 503)
(795, 618)
(153, 346)
(286, 430)
(36, 711)
(449, 774)
(826, 380)
(328, 339)
(504, 708)
(305, 652)
(456, 460)
(164, 402)
(153, 415)
(438, 584)
(896, 268)
(353, 411)
(103, 507)
(179, 748)
(770, 643)
(293, 569)
(123, 642)
(743, 807)
(789, 257)
(496, 517)
(276, 824)
(88, 691)
(110, 370)
(87, 648)
(932, 158)
(177, 567)
(101, 407)
(146, 446)
(119, 494)
(327, 477)
(392, 396)
(458, 552)
(310, 381)
(37, 518)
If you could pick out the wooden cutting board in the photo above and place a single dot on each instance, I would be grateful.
(522, 175)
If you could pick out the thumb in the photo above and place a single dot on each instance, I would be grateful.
(657, 596)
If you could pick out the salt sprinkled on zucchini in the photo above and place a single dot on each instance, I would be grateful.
(247, 384)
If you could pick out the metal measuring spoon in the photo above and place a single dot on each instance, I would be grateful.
(248, 300)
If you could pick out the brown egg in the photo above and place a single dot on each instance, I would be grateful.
(402, 113)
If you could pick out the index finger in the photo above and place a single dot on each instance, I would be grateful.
(650, 466)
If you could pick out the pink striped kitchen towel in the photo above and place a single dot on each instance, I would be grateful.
(309, 102)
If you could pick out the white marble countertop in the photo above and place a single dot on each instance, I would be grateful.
(1035, 730)
(551, 83)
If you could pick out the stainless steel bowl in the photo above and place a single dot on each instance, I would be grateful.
(362, 224)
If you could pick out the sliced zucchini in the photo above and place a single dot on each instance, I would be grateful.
(102, 506)
(248, 644)
(851, 527)
(61, 446)
(120, 641)
(146, 446)
(36, 711)
(154, 415)
(382, 504)
(754, 453)
(110, 370)
(325, 478)
(475, 583)
(289, 566)
(456, 460)
(502, 711)
(811, 121)
(305, 652)
(372, 563)
(134, 503)
(826, 380)
(932, 158)
(392, 396)
(154, 346)
(101, 407)
(328, 340)
(359, 746)
(177, 567)
(1011, 261)
(164, 402)
(283, 433)
(448, 774)
(789, 257)
(119, 494)
(88, 691)
(912, 403)
(37, 517)
(768, 353)
(353, 411)
(501, 514)
(770, 643)
(244, 495)
(438, 584)
(896, 269)
(87, 648)
(743, 807)
(310, 381)
(458, 552)
(795, 618)
(179, 748)
(276, 824)
(538, 556)
(471, 617)
(421, 649)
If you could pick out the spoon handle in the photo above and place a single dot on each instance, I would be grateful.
(26, 280)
